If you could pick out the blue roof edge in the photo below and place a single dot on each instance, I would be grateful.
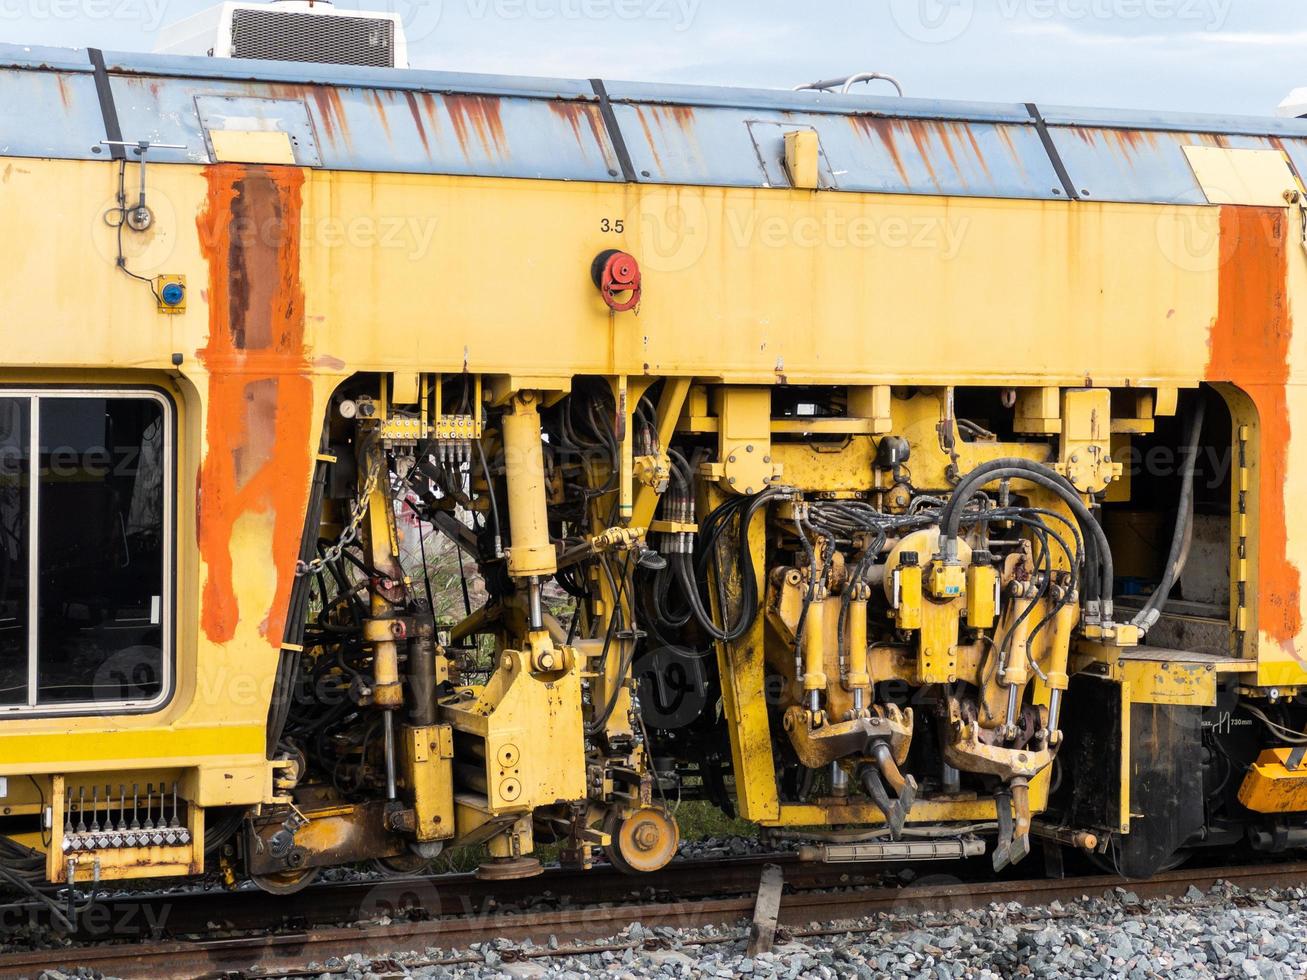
(43, 58)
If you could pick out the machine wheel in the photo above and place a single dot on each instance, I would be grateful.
(643, 842)
(1106, 864)
(401, 865)
(286, 882)
(509, 869)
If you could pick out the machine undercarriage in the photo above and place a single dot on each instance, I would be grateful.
(848, 614)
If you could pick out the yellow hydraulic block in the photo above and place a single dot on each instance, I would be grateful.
(1276, 783)
(908, 597)
(982, 596)
(948, 580)
(937, 659)
(1087, 439)
(526, 747)
(427, 778)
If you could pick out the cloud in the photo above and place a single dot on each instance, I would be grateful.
(1290, 39)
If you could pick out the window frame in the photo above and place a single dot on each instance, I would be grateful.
(32, 708)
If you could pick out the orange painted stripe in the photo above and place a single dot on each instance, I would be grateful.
(260, 395)
(1250, 349)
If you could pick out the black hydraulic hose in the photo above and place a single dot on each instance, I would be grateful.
(494, 504)
(1045, 477)
(297, 611)
(1182, 536)
(1075, 564)
(1044, 532)
(745, 508)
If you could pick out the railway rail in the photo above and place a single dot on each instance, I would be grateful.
(175, 913)
(818, 901)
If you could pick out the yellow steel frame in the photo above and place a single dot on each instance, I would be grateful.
(1010, 293)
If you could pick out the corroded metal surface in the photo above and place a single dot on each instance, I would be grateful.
(391, 120)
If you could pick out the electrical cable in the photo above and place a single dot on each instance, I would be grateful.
(1181, 537)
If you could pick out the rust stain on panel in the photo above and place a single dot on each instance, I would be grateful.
(1219, 140)
(680, 116)
(1130, 142)
(379, 104)
(948, 131)
(885, 130)
(975, 148)
(921, 133)
(1250, 348)
(1006, 137)
(574, 114)
(649, 137)
(416, 113)
(331, 112)
(479, 115)
(257, 423)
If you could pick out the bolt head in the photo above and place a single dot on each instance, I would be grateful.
(139, 219)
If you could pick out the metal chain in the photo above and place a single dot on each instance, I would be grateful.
(358, 509)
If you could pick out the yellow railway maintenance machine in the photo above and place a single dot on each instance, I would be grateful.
(914, 478)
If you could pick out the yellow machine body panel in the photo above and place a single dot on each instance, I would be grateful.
(1089, 317)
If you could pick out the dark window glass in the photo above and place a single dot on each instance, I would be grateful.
(100, 514)
(15, 467)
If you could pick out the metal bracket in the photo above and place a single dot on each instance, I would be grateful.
(139, 217)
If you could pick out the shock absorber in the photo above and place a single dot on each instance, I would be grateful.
(384, 629)
(859, 676)
(814, 651)
(532, 556)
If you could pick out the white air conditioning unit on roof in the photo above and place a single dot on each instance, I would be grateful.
(290, 30)
(1294, 105)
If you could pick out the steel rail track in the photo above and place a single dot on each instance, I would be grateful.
(289, 953)
(177, 913)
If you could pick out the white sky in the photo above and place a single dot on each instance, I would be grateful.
(1198, 55)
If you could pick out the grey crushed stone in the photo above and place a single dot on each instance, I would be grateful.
(1223, 933)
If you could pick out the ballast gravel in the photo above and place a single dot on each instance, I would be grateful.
(1225, 932)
